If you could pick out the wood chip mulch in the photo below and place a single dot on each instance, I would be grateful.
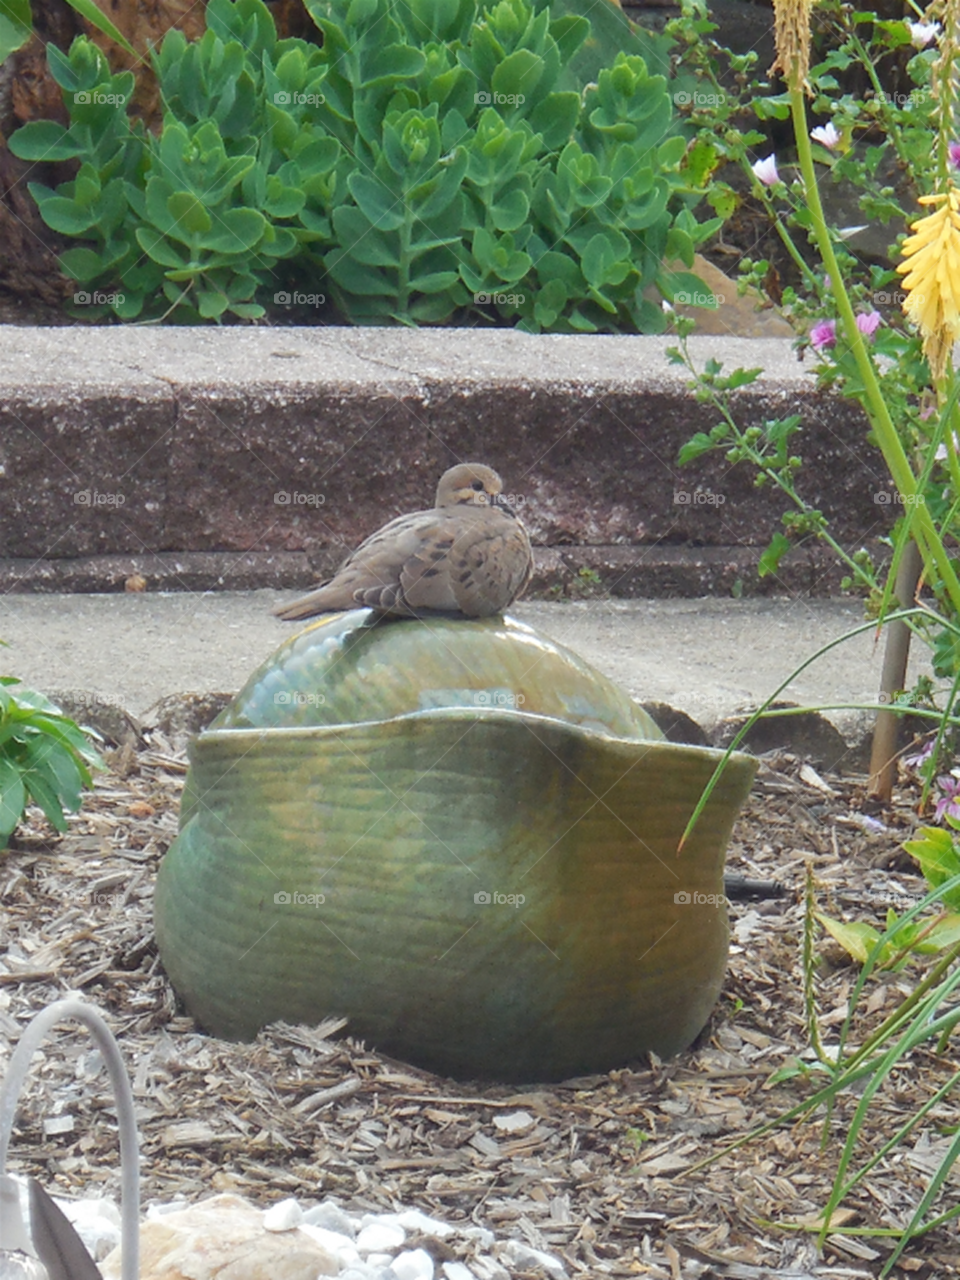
(592, 1170)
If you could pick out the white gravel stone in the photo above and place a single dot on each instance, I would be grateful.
(342, 1248)
(380, 1237)
(332, 1217)
(283, 1216)
(482, 1235)
(161, 1210)
(514, 1122)
(413, 1264)
(380, 1263)
(96, 1222)
(414, 1220)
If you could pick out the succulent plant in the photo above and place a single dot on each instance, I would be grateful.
(461, 836)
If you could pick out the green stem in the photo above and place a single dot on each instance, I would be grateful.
(781, 230)
(931, 546)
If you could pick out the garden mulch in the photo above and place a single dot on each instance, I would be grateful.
(594, 1170)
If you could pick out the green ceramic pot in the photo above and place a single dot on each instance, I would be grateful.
(461, 836)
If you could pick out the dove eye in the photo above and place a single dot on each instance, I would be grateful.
(477, 486)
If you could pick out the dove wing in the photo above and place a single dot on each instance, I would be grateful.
(472, 561)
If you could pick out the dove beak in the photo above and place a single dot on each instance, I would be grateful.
(500, 501)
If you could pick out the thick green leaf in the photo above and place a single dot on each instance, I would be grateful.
(67, 216)
(81, 264)
(158, 247)
(235, 231)
(380, 205)
(189, 213)
(212, 304)
(44, 140)
(16, 27)
(363, 243)
(516, 77)
(435, 282)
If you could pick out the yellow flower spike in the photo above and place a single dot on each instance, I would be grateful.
(932, 278)
(792, 36)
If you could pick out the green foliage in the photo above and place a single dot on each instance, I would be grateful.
(16, 24)
(44, 758)
(431, 157)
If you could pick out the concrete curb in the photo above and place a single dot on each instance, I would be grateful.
(121, 444)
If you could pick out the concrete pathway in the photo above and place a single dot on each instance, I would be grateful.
(707, 657)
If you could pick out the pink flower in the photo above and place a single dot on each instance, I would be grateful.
(949, 802)
(827, 135)
(766, 170)
(921, 33)
(823, 335)
(953, 151)
(869, 323)
(922, 756)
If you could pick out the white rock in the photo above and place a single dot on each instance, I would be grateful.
(523, 1254)
(161, 1210)
(342, 1248)
(103, 1208)
(283, 1216)
(379, 1263)
(96, 1222)
(332, 1217)
(515, 1122)
(220, 1237)
(414, 1220)
(380, 1237)
(480, 1234)
(413, 1264)
(457, 1271)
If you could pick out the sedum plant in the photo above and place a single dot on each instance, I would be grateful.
(433, 159)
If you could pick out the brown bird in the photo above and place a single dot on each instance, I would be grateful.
(470, 555)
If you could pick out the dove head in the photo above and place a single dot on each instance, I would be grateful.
(470, 484)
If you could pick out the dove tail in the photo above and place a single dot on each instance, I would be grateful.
(321, 601)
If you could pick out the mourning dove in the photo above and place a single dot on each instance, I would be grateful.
(469, 555)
